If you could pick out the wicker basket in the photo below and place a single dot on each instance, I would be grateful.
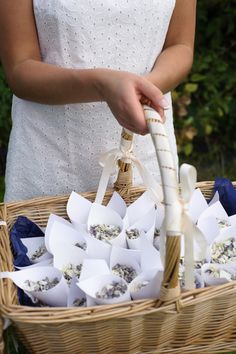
(201, 321)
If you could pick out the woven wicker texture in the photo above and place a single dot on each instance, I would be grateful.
(201, 321)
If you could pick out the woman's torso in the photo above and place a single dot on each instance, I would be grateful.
(55, 149)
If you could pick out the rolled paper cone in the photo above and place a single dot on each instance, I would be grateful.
(197, 205)
(135, 244)
(100, 214)
(122, 258)
(210, 280)
(139, 208)
(215, 210)
(152, 289)
(93, 285)
(118, 252)
(52, 218)
(93, 267)
(75, 294)
(65, 255)
(63, 234)
(56, 296)
(98, 249)
(118, 204)
(78, 208)
(47, 262)
(150, 257)
(33, 244)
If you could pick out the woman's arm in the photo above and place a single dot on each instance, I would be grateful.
(31, 79)
(176, 59)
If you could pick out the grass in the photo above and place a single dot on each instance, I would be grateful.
(207, 172)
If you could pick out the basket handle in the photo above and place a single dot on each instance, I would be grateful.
(170, 289)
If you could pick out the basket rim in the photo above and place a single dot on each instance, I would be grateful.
(44, 315)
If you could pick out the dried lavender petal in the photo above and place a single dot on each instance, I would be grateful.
(126, 272)
(71, 270)
(104, 232)
(111, 291)
(40, 285)
(80, 302)
(132, 234)
(38, 253)
(82, 245)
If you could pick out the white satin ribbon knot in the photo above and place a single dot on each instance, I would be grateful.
(109, 163)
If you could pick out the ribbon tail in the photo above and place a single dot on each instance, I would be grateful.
(148, 180)
(188, 253)
(108, 166)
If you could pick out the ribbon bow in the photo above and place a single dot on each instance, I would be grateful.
(188, 178)
(109, 163)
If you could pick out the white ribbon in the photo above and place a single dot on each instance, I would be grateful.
(188, 178)
(3, 223)
(109, 163)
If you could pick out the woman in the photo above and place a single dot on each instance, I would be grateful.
(79, 70)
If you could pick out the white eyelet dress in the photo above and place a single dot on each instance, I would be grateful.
(55, 149)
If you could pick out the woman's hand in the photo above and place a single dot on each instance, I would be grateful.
(125, 93)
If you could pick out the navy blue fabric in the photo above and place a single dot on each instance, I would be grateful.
(23, 228)
(227, 194)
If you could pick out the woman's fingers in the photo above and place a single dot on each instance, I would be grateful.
(153, 97)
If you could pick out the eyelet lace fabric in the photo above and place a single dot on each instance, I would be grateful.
(55, 149)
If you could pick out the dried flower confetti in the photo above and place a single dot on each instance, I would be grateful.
(125, 272)
(110, 291)
(40, 285)
(105, 232)
(38, 253)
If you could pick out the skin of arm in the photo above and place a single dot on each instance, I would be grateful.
(33, 80)
(176, 59)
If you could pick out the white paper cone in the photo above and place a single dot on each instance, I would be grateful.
(139, 208)
(78, 209)
(63, 234)
(215, 210)
(57, 296)
(98, 249)
(52, 218)
(232, 220)
(125, 253)
(94, 267)
(65, 255)
(119, 257)
(150, 257)
(117, 203)
(100, 214)
(75, 293)
(151, 290)
(92, 285)
(209, 227)
(210, 280)
(146, 225)
(33, 244)
(47, 262)
(215, 198)
(197, 205)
